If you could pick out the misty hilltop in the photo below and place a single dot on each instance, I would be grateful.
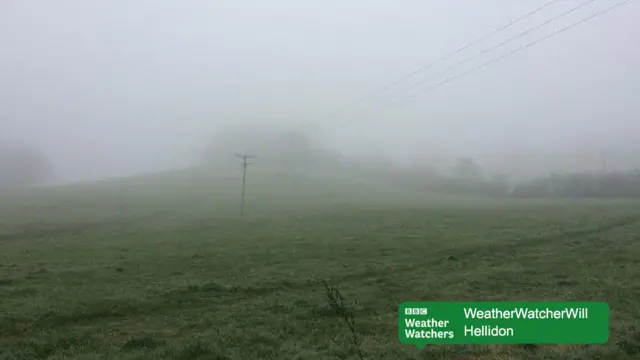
(120, 88)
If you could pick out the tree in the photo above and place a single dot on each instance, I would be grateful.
(23, 166)
(467, 169)
(289, 149)
(294, 150)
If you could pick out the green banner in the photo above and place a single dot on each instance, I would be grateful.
(423, 323)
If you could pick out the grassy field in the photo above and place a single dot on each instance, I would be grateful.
(162, 268)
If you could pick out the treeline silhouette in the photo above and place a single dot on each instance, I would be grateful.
(619, 184)
(294, 151)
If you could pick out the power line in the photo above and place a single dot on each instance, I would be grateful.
(524, 47)
(513, 52)
(484, 52)
(444, 57)
(507, 41)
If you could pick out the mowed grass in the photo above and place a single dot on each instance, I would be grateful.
(88, 274)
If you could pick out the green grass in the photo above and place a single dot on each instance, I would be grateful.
(163, 268)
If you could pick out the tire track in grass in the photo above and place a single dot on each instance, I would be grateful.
(441, 256)
(445, 255)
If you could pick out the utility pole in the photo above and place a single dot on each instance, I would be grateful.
(603, 155)
(245, 163)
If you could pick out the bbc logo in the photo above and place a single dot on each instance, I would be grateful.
(415, 311)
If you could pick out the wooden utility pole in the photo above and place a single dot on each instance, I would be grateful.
(245, 163)
(603, 156)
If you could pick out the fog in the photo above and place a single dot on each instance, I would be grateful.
(115, 88)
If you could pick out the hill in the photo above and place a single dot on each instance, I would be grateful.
(160, 266)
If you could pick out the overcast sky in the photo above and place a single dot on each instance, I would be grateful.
(116, 87)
